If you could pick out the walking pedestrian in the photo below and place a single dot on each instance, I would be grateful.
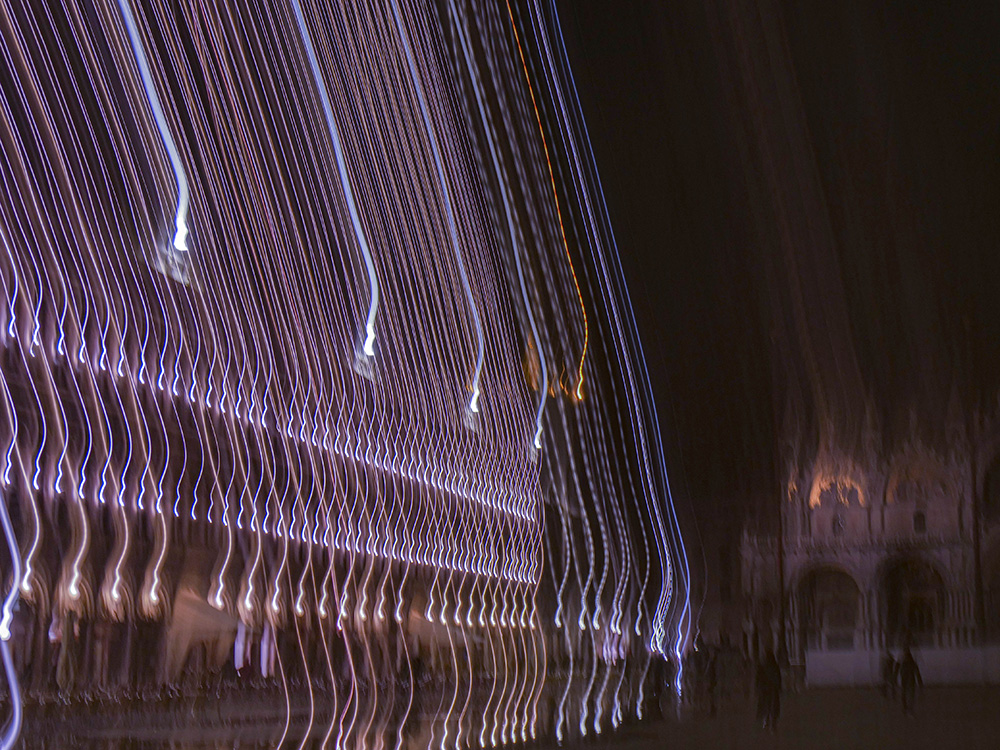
(889, 672)
(909, 679)
(712, 679)
(768, 689)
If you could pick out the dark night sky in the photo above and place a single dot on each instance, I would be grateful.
(866, 152)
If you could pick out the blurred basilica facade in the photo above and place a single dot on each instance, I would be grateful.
(879, 552)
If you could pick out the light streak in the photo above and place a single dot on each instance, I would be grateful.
(555, 197)
(7, 611)
(443, 184)
(179, 241)
(345, 181)
(338, 495)
(13, 727)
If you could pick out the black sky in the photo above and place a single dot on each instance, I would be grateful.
(852, 148)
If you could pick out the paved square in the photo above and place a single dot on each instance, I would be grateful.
(835, 719)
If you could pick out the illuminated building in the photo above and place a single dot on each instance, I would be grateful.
(270, 276)
(884, 554)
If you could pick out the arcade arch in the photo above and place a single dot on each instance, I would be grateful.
(913, 594)
(829, 609)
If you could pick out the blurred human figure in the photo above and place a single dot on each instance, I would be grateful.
(889, 674)
(909, 679)
(658, 683)
(712, 679)
(66, 666)
(768, 689)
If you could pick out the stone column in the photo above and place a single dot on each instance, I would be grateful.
(794, 631)
(862, 628)
(876, 624)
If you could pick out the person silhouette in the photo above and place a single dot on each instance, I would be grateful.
(889, 673)
(768, 688)
(909, 680)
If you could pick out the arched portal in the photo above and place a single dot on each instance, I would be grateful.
(992, 581)
(829, 609)
(914, 595)
(991, 492)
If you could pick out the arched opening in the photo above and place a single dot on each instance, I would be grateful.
(914, 596)
(828, 609)
(991, 492)
(992, 580)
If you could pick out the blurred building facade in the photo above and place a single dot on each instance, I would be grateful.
(895, 551)
(882, 529)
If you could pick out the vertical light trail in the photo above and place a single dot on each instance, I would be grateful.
(615, 280)
(555, 197)
(443, 186)
(332, 492)
(345, 181)
(10, 600)
(179, 241)
(13, 727)
(509, 220)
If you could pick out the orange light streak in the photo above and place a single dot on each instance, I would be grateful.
(555, 196)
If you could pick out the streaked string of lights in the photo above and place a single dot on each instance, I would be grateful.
(299, 300)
